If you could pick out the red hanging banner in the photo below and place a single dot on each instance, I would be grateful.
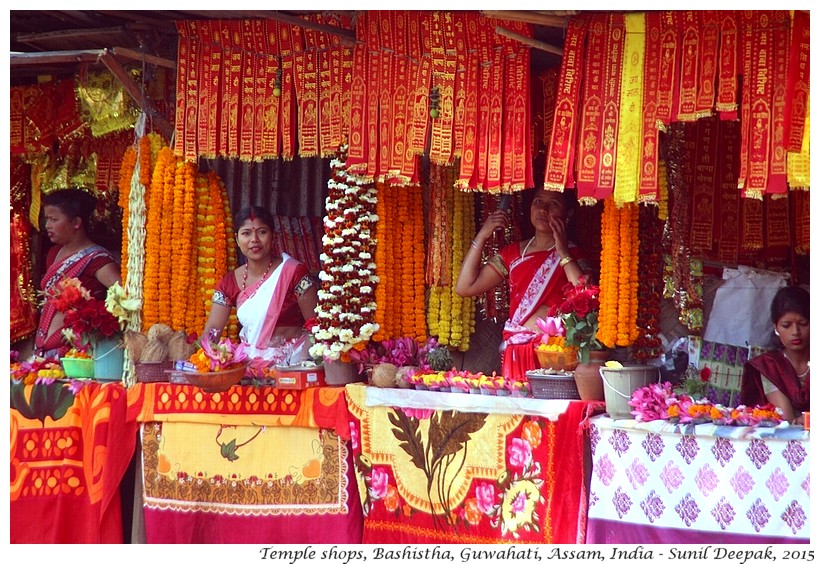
(612, 102)
(760, 115)
(234, 84)
(777, 168)
(183, 46)
(726, 103)
(287, 44)
(668, 72)
(373, 97)
(797, 90)
(357, 144)
(590, 128)
(485, 74)
(558, 173)
(691, 48)
(248, 82)
(648, 185)
(495, 133)
(269, 142)
(471, 86)
(727, 230)
(710, 38)
(704, 187)
(460, 92)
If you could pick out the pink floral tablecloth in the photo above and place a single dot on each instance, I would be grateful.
(656, 483)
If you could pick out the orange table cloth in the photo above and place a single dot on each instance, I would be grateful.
(248, 465)
(68, 456)
(453, 468)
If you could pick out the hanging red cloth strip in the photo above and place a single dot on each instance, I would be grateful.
(521, 154)
(183, 46)
(386, 81)
(306, 79)
(495, 135)
(22, 298)
(710, 39)
(777, 168)
(234, 85)
(726, 103)
(441, 135)
(248, 85)
(746, 45)
(703, 189)
(485, 57)
(358, 144)
(460, 92)
(209, 89)
(374, 73)
(270, 142)
(691, 53)
(648, 185)
(751, 234)
(668, 74)
(590, 132)
(328, 59)
(797, 90)
(801, 213)
(561, 149)
(345, 92)
(612, 101)
(469, 151)
(402, 86)
(288, 44)
(727, 230)
(760, 123)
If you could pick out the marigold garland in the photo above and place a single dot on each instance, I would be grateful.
(617, 319)
(129, 161)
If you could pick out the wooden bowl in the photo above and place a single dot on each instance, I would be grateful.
(211, 382)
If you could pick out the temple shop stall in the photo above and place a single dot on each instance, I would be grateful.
(71, 446)
(247, 465)
(661, 483)
(442, 468)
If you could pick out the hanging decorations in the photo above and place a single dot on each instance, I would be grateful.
(450, 317)
(345, 313)
(650, 284)
(104, 103)
(617, 320)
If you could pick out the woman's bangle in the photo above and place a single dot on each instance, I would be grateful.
(565, 261)
(476, 245)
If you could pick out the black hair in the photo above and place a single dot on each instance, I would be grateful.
(790, 299)
(256, 212)
(73, 202)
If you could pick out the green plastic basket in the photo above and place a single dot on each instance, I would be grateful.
(78, 367)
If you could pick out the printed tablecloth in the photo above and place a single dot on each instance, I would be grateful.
(68, 456)
(249, 465)
(450, 468)
(651, 483)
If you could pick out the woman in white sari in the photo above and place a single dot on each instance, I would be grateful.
(275, 296)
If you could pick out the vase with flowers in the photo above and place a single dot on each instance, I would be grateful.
(91, 329)
(579, 313)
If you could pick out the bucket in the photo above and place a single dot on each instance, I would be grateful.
(619, 383)
(108, 360)
(338, 373)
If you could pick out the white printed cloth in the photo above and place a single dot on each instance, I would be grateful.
(650, 483)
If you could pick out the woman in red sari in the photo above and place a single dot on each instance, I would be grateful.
(537, 270)
(74, 255)
(275, 296)
(781, 377)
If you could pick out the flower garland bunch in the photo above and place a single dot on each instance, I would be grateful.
(650, 285)
(661, 402)
(345, 313)
(35, 370)
(219, 356)
(579, 313)
(619, 275)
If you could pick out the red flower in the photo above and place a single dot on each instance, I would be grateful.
(705, 374)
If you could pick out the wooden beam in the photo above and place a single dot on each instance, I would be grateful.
(69, 34)
(136, 93)
(530, 42)
(126, 53)
(534, 18)
(348, 36)
(50, 57)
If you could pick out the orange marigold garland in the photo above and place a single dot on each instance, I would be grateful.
(381, 253)
(154, 251)
(184, 216)
(345, 313)
(608, 313)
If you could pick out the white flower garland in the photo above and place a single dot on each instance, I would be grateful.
(346, 298)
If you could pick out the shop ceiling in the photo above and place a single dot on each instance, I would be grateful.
(56, 43)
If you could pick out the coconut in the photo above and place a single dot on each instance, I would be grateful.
(384, 375)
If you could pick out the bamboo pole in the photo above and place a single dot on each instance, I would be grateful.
(530, 42)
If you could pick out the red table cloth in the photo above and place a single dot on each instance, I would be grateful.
(68, 456)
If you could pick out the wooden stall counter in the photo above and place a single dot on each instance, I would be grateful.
(458, 468)
(248, 465)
